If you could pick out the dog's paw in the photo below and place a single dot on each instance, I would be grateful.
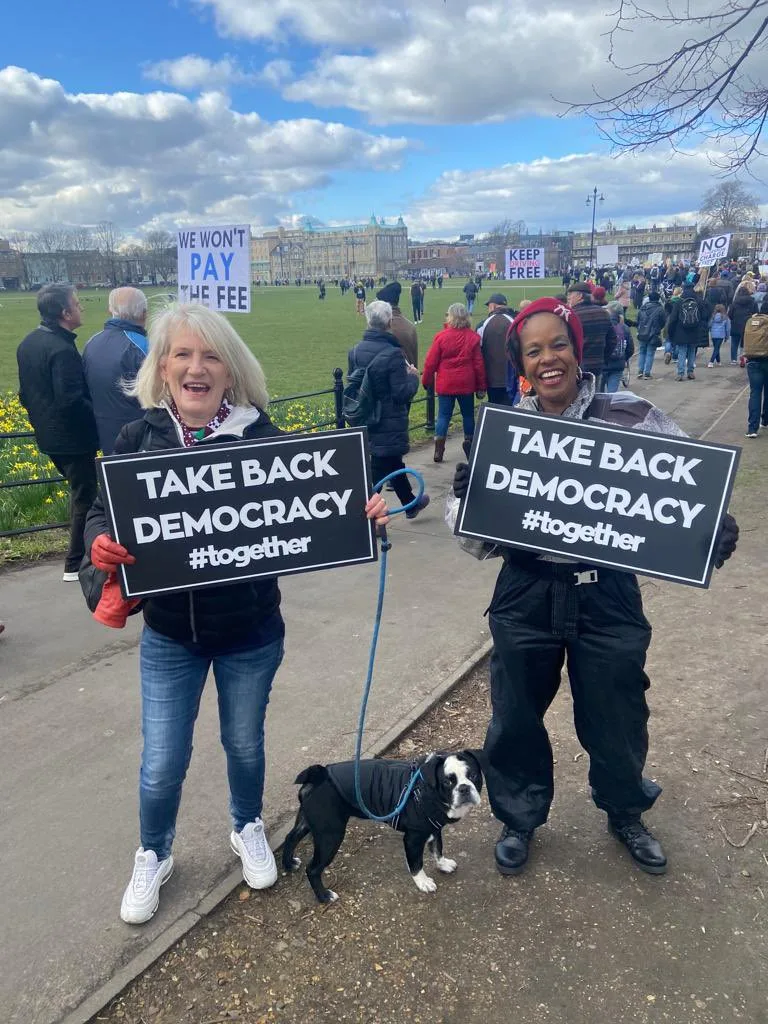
(446, 865)
(329, 896)
(294, 865)
(424, 883)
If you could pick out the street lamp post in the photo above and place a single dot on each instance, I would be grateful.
(593, 201)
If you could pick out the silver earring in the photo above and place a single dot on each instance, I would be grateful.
(579, 374)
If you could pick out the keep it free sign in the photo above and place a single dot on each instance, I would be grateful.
(214, 267)
(621, 498)
(524, 264)
(212, 514)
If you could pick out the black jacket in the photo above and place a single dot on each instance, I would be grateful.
(53, 390)
(382, 784)
(111, 356)
(650, 323)
(393, 386)
(599, 335)
(225, 617)
(742, 308)
(697, 334)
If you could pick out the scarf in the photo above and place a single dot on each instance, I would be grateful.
(192, 435)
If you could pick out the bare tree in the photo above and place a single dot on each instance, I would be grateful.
(52, 238)
(504, 235)
(710, 83)
(727, 206)
(81, 239)
(108, 238)
(161, 250)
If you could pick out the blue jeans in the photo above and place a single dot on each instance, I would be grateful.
(686, 359)
(645, 356)
(611, 380)
(735, 346)
(172, 681)
(445, 411)
(757, 372)
(470, 305)
(716, 343)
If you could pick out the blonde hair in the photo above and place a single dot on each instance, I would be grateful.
(457, 315)
(249, 387)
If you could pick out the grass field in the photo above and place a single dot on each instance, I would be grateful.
(298, 339)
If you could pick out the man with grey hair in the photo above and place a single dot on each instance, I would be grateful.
(112, 357)
(394, 382)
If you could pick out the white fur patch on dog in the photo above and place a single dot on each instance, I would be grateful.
(446, 865)
(423, 882)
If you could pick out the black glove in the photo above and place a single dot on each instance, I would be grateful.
(461, 480)
(726, 540)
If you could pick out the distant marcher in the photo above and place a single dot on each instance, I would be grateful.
(394, 385)
(416, 301)
(470, 291)
(599, 335)
(401, 327)
(321, 290)
(742, 308)
(112, 358)
(719, 330)
(757, 374)
(53, 390)
(454, 367)
(651, 319)
(493, 345)
(360, 298)
(688, 328)
(622, 352)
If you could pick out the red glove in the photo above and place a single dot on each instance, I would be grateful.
(107, 555)
(113, 609)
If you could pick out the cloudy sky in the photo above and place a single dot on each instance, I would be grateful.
(169, 112)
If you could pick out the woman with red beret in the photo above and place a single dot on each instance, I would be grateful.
(540, 621)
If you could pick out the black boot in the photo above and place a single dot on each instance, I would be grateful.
(644, 848)
(512, 850)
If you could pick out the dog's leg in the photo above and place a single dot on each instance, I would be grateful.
(444, 864)
(327, 839)
(414, 855)
(294, 837)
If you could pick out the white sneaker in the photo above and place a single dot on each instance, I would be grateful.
(251, 846)
(70, 577)
(142, 896)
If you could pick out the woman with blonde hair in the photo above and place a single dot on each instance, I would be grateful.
(199, 385)
(455, 367)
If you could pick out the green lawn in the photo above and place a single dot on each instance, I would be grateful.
(297, 338)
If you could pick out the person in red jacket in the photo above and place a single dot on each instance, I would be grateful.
(455, 367)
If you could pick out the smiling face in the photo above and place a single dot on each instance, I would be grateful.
(196, 377)
(549, 361)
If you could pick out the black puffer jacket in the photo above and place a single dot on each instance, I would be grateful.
(52, 389)
(393, 386)
(213, 617)
(742, 308)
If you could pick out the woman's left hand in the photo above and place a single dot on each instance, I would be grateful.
(376, 508)
(727, 540)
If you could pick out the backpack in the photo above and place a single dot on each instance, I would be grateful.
(619, 350)
(756, 337)
(359, 404)
(690, 315)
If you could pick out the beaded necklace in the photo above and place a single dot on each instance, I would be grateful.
(192, 435)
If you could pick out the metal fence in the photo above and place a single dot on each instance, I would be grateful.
(337, 423)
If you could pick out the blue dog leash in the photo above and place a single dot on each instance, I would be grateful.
(386, 544)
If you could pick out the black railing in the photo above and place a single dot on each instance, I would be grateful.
(337, 423)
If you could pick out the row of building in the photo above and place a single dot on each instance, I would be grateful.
(312, 250)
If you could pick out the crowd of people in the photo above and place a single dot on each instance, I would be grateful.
(186, 378)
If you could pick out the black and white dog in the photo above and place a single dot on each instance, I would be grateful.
(449, 786)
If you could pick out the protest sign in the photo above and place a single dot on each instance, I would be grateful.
(225, 513)
(524, 264)
(214, 267)
(606, 495)
(607, 255)
(655, 257)
(713, 249)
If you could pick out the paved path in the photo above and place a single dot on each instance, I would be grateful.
(69, 733)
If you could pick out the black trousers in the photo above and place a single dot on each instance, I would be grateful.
(80, 473)
(498, 396)
(381, 465)
(539, 618)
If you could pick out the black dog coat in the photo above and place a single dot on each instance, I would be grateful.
(382, 785)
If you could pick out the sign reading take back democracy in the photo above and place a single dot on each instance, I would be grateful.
(596, 493)
(212, 514)
(214, 267)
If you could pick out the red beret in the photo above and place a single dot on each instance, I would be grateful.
(557, 307)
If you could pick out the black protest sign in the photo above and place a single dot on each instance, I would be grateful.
(224, 513)
(596, 493)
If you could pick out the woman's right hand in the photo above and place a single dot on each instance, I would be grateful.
(107, 554)
(461, 480)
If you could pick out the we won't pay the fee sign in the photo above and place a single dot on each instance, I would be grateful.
(214, 267)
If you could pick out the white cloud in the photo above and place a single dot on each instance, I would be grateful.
(191, 72)
(449, 62)
(159, 159)
(550, 194)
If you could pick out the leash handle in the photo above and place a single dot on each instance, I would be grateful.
(402, 472)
